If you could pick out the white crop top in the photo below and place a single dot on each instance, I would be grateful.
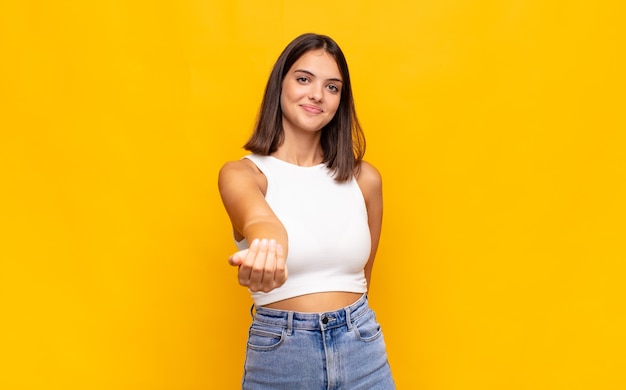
(327, 229)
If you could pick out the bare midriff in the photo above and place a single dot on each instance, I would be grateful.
(317, 302)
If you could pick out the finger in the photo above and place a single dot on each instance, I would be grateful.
(256, 273)
(237, 258)
(280, 273)
(267, 283)
(246, 264)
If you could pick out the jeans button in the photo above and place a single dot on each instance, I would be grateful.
(325, 320)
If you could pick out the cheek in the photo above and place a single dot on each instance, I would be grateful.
(335, 105)
(285, 99)
(289, 90)
(287, 96)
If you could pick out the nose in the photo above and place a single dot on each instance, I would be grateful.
(316, 93)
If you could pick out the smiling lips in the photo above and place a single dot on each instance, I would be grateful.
(311, 109)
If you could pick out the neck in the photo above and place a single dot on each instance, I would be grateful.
(305, 152)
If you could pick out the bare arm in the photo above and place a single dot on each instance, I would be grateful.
(262, 266)
(370, 182)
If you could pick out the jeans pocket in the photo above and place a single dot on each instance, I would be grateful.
(367, 328)
(261, 338)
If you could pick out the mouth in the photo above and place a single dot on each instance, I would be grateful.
(311, 109)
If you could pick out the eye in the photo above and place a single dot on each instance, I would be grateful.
(333, 88)
(302, 79)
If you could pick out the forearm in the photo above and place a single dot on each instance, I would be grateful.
(267, 230)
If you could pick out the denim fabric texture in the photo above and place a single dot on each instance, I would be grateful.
(343, 349)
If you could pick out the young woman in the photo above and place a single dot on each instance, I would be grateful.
(306, 212)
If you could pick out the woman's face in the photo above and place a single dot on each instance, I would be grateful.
(311, 92)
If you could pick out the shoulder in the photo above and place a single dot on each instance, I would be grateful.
(370, 181)
(234, 169)
(236, 172)
(369, 176)
(238, 167)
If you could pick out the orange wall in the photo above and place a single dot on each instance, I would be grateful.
(498, 127)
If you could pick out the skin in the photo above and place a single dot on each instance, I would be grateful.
(309, 100)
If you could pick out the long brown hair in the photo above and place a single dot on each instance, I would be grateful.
(342, 138)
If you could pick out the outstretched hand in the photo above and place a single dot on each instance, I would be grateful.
(262, 266)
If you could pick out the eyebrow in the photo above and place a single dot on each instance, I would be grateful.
(311, 74)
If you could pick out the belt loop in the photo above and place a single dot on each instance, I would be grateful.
(348, 319)
(289, 322)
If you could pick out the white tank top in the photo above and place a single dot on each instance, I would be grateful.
(327, 228)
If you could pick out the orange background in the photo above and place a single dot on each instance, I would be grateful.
(498, 128)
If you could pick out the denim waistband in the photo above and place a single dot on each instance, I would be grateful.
(312, 321)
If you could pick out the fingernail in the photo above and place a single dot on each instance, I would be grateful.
(272, 242)
(255, 242)
(264, 242)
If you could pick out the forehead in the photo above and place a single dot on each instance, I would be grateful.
(318, 62)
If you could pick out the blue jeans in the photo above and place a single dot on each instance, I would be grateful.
(343, 349)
